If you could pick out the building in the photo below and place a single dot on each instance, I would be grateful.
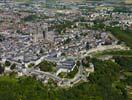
(50, 36)
(66, 66)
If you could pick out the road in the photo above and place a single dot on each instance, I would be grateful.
(79, 76)
(46, 74)
(103, 48)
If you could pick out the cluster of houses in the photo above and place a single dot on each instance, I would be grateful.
(37, 39)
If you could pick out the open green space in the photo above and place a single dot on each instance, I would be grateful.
(70, 74)
(122, 35)
(124, 62)
(26, 1)
(114, 53)
(47, 66)
(118, 32)
(33, 17)
(128, 73)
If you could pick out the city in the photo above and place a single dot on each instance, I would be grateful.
(58, 41)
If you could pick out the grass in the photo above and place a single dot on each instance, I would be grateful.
(69, 75)
(123, 35)
(8, 79)
(128, 73)
(47, 66)
(114, 53)
(62, 74)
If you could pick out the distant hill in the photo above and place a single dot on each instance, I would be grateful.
(107, 0)
(128, 1)
(49, 0)
(65, 0)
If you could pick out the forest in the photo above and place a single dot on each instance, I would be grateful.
(104, 84)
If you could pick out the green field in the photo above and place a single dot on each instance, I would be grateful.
(123, 35)
(127, 53)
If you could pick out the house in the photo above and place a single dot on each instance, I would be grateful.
(65, 66)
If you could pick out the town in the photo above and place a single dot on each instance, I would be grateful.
(52, 40)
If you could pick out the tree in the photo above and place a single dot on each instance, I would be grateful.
(7, 63)
(13, 66)
(1, 69)
(46, 66)
(86, 61)
(78, 63)
(87, 46)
